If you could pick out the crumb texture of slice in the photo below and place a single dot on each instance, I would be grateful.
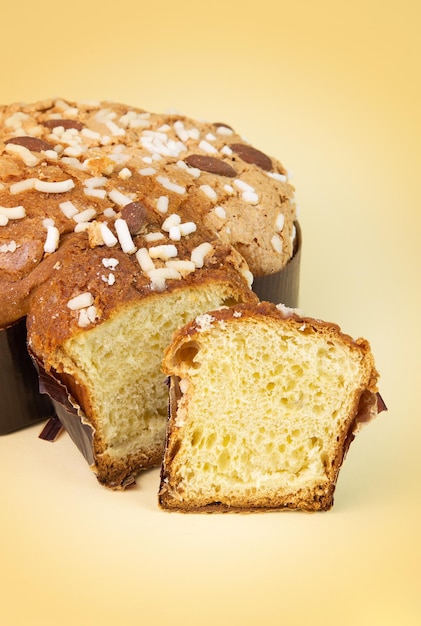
(263, 403)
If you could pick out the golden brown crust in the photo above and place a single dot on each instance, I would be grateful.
(99, 156)
(118, 474)
(306, 501)
(80, 269)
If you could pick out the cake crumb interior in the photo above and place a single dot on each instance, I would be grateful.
(264, 411)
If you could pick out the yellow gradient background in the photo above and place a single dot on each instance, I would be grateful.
(333, 90)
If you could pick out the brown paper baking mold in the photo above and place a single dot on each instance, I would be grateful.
(21, 402)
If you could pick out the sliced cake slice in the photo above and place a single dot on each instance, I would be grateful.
(263, 406)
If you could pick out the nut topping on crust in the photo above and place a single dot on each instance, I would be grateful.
(251, 155)
(211, 164)
(115, 173)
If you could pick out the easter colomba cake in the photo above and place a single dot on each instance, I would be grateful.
(117, 226)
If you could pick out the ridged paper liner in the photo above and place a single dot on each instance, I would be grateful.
(68, 413)
(21, 402)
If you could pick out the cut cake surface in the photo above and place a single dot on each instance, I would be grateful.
(264, 404)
